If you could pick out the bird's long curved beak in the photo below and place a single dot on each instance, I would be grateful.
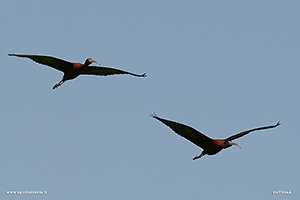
(96, 62)
(236, 145)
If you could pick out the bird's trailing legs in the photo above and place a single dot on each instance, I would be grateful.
(58, 84)
(199, 156)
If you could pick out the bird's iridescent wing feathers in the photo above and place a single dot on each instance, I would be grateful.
(236, 136)
(105, 71)
(56, 63)
(187, 132)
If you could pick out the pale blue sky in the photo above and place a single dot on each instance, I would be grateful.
(219, 66)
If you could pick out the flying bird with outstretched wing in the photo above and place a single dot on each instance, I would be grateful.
(71, 70)
(209, 146)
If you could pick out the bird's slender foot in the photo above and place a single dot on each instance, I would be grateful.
(55, 86)
(196, 157)
(58, 84)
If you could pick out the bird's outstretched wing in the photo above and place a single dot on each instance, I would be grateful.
(105, 71)
(236, 136)
(56, 63)
(187, 132)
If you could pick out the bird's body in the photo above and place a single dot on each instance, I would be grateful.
(209, 146)
(215, 147)
(75, 71)
(72, 70)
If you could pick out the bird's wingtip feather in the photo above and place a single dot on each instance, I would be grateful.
(153, 115)
(278, 123)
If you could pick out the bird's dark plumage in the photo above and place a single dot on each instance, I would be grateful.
(72, 70)
(236, 136)
(187, 132)
(50, 61)
(209, 146)
(105, 71)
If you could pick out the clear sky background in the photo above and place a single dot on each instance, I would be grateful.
(219, 66)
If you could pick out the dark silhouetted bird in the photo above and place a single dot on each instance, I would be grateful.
(209, 146)
(72, 70)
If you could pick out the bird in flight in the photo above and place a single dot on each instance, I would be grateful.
(72, 70)
(209, 146)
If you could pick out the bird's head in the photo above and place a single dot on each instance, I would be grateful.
(90, 61)
(230, 143)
